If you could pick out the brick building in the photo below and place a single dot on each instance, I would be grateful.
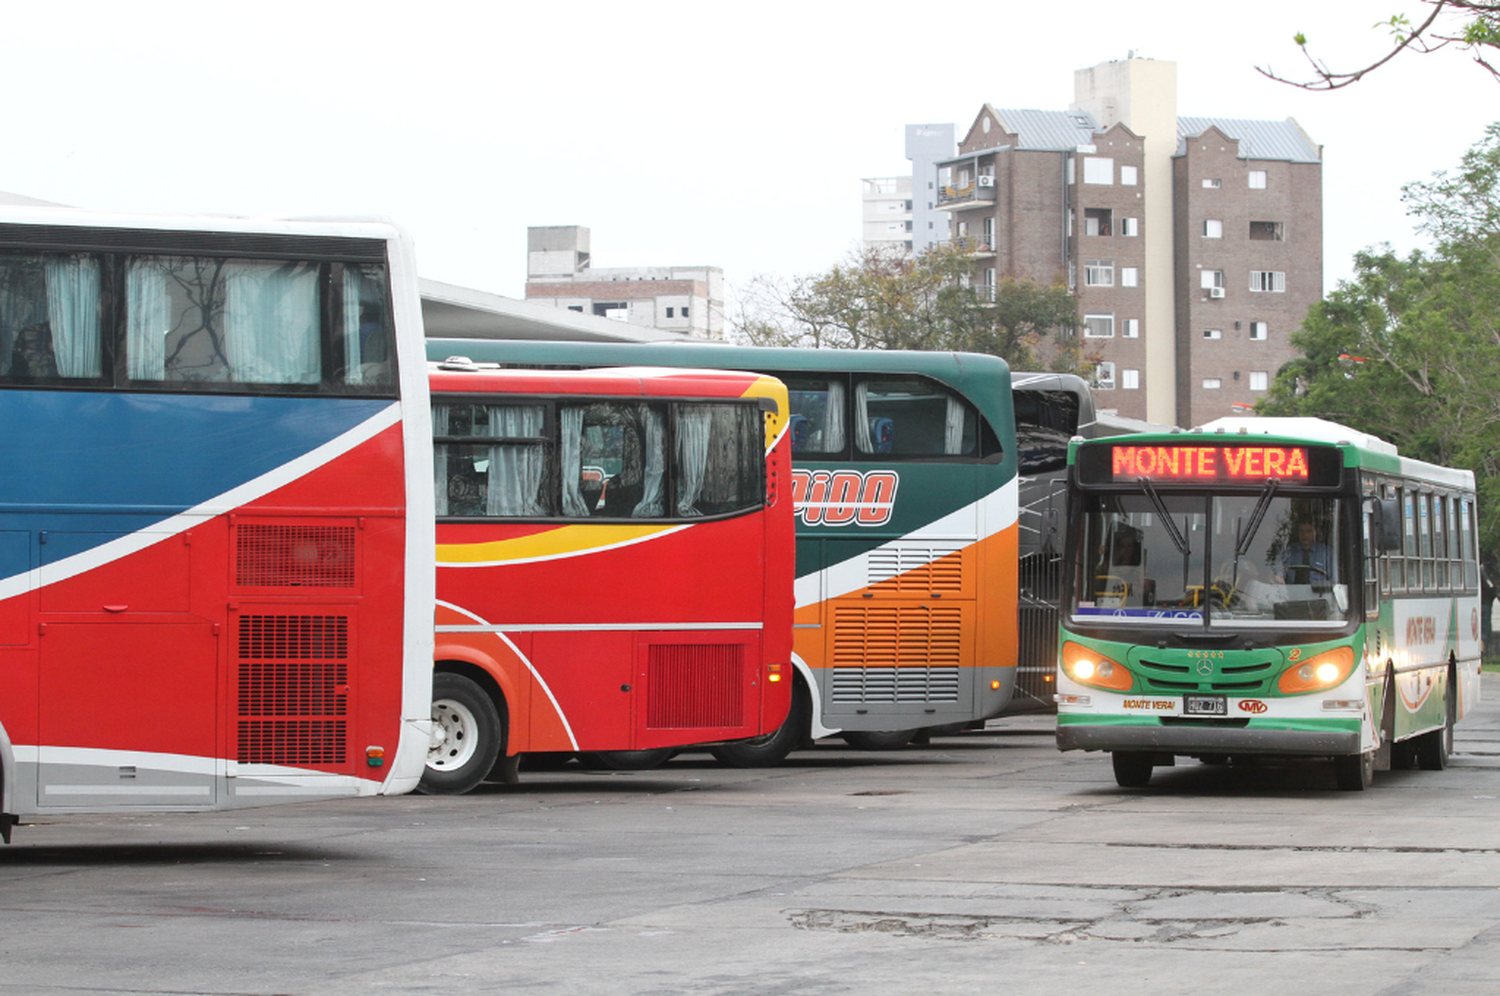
(1194, 244)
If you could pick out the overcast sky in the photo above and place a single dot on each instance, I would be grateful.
(729, 134)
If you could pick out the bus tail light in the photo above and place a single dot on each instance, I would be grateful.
(1088, 668)
(1321, 671)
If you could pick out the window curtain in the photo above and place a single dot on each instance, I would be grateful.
(440, 459)
(862, 440)
(953, 427)
(653, 503)
(570, 451)
(146, 319)
(73, 312)
(694, 428)
(833, 419)
(271, 323)
(353, 353)
(513, 484)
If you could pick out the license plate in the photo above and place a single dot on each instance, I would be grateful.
(1205, 705)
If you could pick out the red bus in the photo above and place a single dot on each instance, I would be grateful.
(215, 565)
(614, 565)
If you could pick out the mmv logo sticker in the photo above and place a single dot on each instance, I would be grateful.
(841, 497)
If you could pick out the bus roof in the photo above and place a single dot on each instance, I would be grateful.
(616, 381)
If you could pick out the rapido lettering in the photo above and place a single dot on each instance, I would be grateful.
(1209, 463)
(844, 497)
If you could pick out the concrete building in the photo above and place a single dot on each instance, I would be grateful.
(900, 212)
(1194, 244)
(688, 300)
(886, 204)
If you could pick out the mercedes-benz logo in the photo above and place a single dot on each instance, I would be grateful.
(1205, 666)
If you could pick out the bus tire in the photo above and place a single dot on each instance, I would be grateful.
(772, 749)
(1132, 768)
(1354, 772)
(878, 739)
(1433, 749)
(635, 760)
(467, 738)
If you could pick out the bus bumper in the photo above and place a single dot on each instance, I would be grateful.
(1206, 739)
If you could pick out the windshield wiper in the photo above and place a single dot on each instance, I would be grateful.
(1242, 543)
(1175, 534)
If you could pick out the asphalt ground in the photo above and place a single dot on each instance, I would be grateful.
(981, 863)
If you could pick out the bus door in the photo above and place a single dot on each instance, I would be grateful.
(128, 680)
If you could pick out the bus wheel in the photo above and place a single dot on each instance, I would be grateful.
(1354, 772)
(466, 736)
(1132, 768)
(635, 760)
(1434, 749)
(878, 739)
(772, 749)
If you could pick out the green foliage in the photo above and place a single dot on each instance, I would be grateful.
(1472, 26)
(1409, 348)
(877, 299)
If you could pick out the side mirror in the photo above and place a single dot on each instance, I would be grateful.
(1385, 523)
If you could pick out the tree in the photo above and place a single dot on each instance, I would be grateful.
(878, 299)
(1408, 349)
(1471, 25)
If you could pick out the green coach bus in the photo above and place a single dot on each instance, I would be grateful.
(904, 489)
(1266, 588)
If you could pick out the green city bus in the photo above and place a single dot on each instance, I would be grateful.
(904, 485)
(1262, 589)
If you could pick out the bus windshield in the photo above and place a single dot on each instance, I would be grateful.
(1243, 560)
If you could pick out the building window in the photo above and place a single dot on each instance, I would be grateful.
(1130, 380)
(1257, 179)
(684, 312)
(1127, 176)
(1132, 328)
(1130, 226)
(1211, 279)
(1259, 380)
(1213, 228)
(669, 312)
(1258, 331)
(1070, 171)
(1098, 326)
(1213, 334)
(1098, 170)
(1099, 273)
(1268, 231)
(1210, 184)
(1104, 376)
(1129, 276)
(1212, 383)
(1272, 281)
(1098, 221)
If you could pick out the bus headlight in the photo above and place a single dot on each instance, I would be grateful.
(1089, 668)
(1316, 673)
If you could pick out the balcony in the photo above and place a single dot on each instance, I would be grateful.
(966, 192)
(974, 245)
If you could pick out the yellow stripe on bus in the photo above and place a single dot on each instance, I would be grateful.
(561, 542)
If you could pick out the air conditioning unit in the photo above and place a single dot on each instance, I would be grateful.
(986, 181)
(1216, 292)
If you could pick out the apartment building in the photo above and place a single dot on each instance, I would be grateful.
(688, 300)
(1194, 244)
(886, 209)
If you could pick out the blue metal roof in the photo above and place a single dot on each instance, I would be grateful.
(1283, 140)
(1059, 131)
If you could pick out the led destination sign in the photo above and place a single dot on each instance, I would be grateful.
(1172, 463)
(1209, 463)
